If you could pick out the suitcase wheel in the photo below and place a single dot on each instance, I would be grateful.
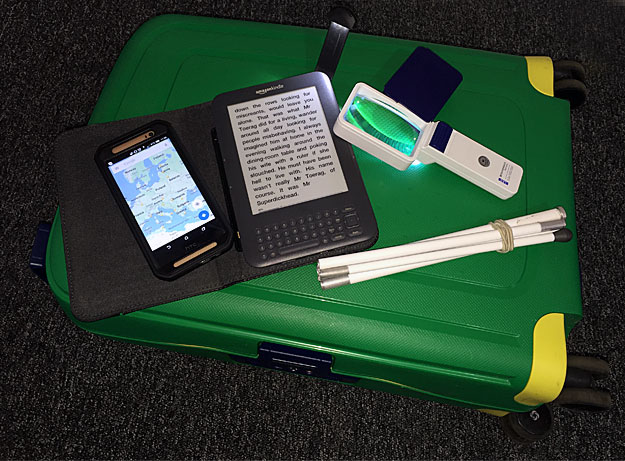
(596, 367)
(579, 393)
(568, 82)
(584, 399)
(568, 69)
(528, 427)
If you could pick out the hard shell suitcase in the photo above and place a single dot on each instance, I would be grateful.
(486, 332)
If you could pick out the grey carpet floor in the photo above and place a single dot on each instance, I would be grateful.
(65, 393)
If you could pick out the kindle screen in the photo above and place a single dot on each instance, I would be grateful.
(286, 151)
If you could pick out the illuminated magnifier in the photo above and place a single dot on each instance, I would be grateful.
(387, 130)
(380, 126)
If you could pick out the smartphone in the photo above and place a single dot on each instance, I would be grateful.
(174, 219)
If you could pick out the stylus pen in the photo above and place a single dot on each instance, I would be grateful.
(401, 250)
(455, 246)
(562, 235)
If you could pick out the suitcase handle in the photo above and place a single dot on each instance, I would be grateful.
(37, 261)
(341, 20)
(295, 360)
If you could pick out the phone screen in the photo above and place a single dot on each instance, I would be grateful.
(160, 192)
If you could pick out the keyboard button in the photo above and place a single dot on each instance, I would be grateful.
(259, 240)
(302, 229)
(331, 230)
(261, 248)
(351, 220)
(354, 233)
(320, 224)
(276, 235)
(296, 239)
(292, 222)
(339, 228)
(286, 233)
(314, 235)
(268, 238)
(283, 225)
(272, 254)
(335, 212)
(270, 246)
(325, 240)
(258, 231)
(288, 241)
(322, 232)
(348, 209)
(311, 226)
(299, 247)
(279, 243)
(329, 222)
(267, 230)
(263, 256)
(337, 237)
(309, 218)
(305, 237)
(326, 214)
(300, 221)
(337, 220)
(318, 216)
(276, 227)
(294, 231)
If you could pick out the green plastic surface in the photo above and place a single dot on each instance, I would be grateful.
(379, 121)
(458, 332)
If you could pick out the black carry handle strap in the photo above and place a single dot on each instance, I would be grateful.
(341, 21)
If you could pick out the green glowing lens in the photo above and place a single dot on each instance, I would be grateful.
(375, 118)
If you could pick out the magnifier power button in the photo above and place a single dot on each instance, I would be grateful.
(483, 161)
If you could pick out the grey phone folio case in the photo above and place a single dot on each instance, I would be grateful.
(107, 273)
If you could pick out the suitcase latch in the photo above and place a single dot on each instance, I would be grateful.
(295, 360)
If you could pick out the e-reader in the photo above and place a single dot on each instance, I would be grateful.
(295, 188)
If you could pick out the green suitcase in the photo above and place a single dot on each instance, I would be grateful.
(485, 332)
